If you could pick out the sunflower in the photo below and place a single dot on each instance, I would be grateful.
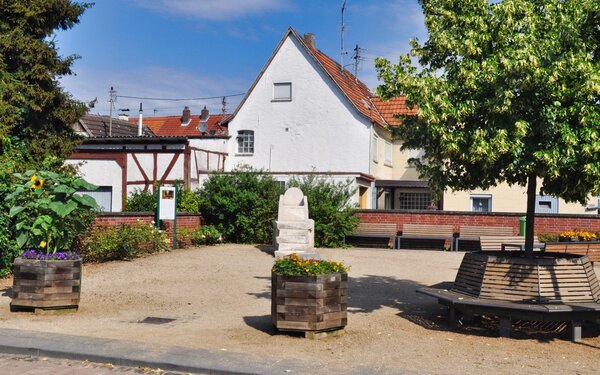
(37, 182)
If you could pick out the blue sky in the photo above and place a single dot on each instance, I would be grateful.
(207, 48)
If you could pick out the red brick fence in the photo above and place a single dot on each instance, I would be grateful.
(117, 218)
(544, 223)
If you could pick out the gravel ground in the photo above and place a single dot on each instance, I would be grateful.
(220, 299)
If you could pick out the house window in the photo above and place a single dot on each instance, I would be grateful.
(481, 203)
(546, 204)
(102, 195)
(414, 200)
(415, 154)
(388, 153)
(245, 141)
(374, 148)
(282, 91)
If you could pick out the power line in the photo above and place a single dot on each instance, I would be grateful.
(180, 99)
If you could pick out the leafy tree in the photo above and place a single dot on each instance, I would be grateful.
(33, 106)
(506, 92)
(329, 206)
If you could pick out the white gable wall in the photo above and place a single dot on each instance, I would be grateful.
(102, 172)
(317, 130)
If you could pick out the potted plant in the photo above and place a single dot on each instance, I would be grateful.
(308, 295)
(47, 215)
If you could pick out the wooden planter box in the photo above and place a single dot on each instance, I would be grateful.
(46, 284)
(309, 303)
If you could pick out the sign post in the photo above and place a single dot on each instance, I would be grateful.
(167, 208)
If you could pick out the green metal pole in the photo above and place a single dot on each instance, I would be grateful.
(175, 219)
(157, 218)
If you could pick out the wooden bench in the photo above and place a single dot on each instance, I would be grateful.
(506, 311)
(469, 236)
(373, 235)
(431, 234)
(522, 288)
(494, 243)
(589, 249)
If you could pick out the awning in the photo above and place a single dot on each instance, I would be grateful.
(401, 184)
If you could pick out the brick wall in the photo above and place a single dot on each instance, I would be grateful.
(544, 223)
(118, 218)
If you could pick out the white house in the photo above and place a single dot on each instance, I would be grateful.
(305, 115)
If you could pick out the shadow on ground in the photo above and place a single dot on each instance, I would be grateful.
(267, 249)
(6, 292)
(372, 292)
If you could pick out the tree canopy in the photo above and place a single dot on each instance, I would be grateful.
(506, 92)
(33, 106)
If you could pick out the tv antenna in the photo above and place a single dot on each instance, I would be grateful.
(342, 29)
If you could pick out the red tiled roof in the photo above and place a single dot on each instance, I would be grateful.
(395, 106)
(370, 106)
(171, 126)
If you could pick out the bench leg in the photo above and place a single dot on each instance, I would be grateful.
(452, 317)
(576, 330)
(505, 326)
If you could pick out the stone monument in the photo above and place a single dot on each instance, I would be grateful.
(294, 232)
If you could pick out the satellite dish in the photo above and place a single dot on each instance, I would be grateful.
(203, 127)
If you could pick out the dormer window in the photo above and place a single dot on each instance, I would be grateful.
(282, 92)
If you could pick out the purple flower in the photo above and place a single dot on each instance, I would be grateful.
(60, 255)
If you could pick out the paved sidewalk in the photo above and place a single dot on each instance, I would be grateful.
(16, 364)
(135, 354)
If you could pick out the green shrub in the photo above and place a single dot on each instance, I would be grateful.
(548, 237)
(241, 205)
(206, 235)
(141, 201)
(145, 201)
(124, 242)
(188, 201)
(329, 206)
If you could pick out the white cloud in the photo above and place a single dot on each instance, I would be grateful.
(154, 82)
(214, 10)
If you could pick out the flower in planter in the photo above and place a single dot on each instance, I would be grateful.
(47, 213)
(294, 265)
(580, 235)
(59, 255)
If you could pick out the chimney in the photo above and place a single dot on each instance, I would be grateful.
(204, 115)
(309, 39)
(186, 116)
(140, 126)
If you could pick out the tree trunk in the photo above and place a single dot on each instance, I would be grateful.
(530, 225)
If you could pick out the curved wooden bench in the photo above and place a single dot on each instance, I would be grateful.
(521, 288)
(431, 234)
(469, 236)
(589, 249)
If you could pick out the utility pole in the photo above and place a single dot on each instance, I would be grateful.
(224, 105)
(112, 99)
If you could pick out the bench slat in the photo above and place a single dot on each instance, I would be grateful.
(589, 249)
(428, 232)
(473, 232)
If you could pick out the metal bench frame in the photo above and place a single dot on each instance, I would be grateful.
(506, 310)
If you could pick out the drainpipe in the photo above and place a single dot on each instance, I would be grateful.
(140, 121)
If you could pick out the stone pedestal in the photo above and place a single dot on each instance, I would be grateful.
(293, 231)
